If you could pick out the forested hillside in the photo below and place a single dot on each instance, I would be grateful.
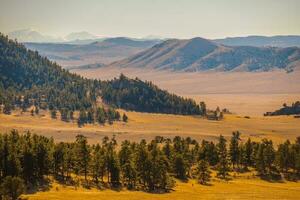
(28, 79)
(134, 94)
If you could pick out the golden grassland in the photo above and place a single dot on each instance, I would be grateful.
(246, 93)
(243, 186)
(147, 126)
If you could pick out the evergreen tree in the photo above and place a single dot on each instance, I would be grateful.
(53, 114)
(12, 187)
(223, 167)
(203, 172)
(125, 118)
(100, 116)
(180, 167)
(234, 149)
(82, 153)
(82, 119)
(283, 156)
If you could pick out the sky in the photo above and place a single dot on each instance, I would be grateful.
(141, 18)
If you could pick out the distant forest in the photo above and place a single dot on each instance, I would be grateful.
(27, 160)
(29, 80)
(294, 109)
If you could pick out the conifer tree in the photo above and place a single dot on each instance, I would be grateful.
(82, 153)
(234, 149)
(223, 167)
(125, 118)
(203, 172)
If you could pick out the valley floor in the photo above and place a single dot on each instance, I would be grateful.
(246, 187)
(244, 93)
(147, 126)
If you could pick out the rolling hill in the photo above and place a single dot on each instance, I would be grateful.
(199, 54)
(98, 51)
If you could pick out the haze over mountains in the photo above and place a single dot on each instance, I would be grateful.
(199, 54)
(99, 52)
(30, 35)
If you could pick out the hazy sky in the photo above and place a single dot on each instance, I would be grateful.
(166, 18)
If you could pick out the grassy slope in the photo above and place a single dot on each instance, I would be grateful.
(246, 187)
(145, 125)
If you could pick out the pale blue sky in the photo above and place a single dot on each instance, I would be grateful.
(166, 18)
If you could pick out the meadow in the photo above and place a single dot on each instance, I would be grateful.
(243, 186)
(148, 125)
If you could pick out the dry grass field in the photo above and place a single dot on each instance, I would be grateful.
(244, 187)
(147, 126)
(245, 93)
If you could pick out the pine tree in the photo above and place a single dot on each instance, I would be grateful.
(36, 110)
(180, 166)
(82, 153)
(222, 167)
(125, 118)
(12, 187)
(100, 116)
(203, 172)
(82, 119)
(283, 156)
(234, 149)
(53, 114)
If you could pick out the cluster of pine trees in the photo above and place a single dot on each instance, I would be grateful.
(134, 94)
(294, 109)
(139, 166)
(90, 116)
(28, 79)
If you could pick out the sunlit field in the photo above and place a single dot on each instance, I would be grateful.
(243, 186)
(147, 126)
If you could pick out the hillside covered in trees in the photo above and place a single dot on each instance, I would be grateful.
(134, 94)
(152, 166)
(28, 79)
(294, 109)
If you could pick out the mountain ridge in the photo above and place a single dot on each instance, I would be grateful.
(199, 54)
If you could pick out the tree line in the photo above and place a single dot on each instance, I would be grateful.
(27, 79)
(294, 109)
(26, 160)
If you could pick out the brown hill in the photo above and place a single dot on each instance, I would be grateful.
(199, 54)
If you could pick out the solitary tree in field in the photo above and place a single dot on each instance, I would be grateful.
(125, 118)
(203, 172)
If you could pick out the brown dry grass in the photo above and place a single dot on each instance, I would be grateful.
(244, 187)
(147, 126)
(246, 93)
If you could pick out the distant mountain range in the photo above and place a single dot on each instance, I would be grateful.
(252, 53)
(262, 41)
(199, 54)
(29, 35)
(98, 52)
